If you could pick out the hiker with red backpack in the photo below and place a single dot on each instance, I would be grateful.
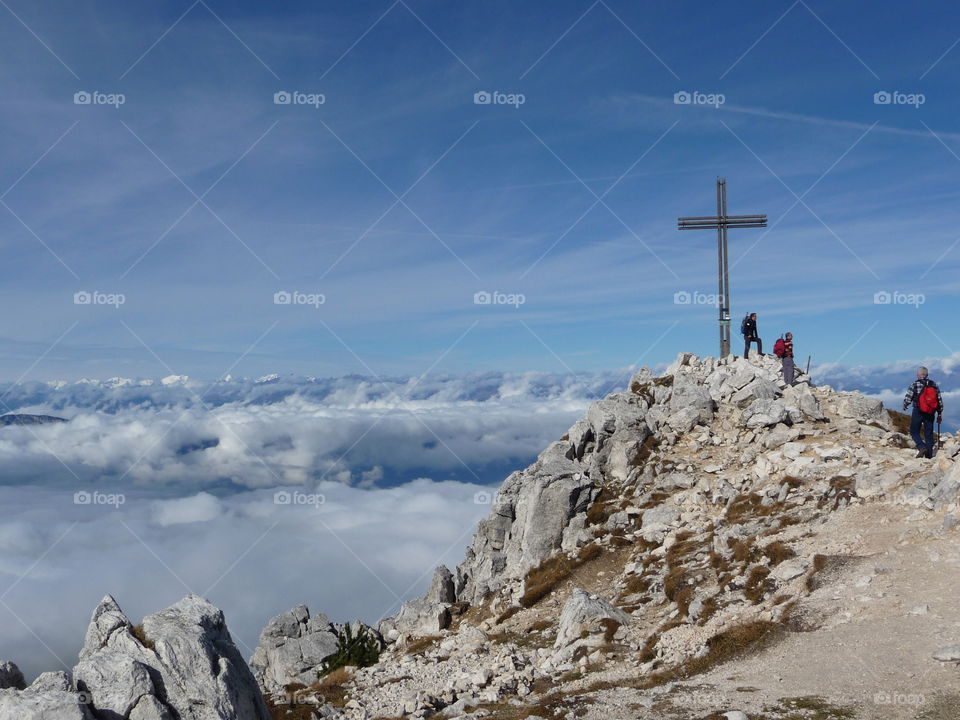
(783, 349)
(924, 395)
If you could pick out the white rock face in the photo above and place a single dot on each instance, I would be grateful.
(584, 612)
(193, 671)
(294, 645)
(43, 705)
(858, 407)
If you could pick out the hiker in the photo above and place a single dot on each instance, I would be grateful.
(924, 395)
(783, 349)
(748, 328)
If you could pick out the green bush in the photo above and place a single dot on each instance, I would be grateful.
(361, 650)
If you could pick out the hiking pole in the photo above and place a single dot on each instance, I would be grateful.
(808, 364)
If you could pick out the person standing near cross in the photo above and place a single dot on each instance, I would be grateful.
(750, 335)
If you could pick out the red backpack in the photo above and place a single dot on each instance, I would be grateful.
(779, 348)
(927, 402)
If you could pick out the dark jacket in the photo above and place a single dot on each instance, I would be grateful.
(749, 328)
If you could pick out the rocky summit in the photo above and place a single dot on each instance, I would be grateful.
(709, 543)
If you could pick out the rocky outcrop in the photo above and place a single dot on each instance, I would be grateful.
(181, 664)
(588, 620)
(530, 515)
(42, 703)
(424, 616)
(670, 523)
(294, 645)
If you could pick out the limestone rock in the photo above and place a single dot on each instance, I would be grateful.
(52, 705)
(584, 612)
(948, 653)
(859, 407)
(193, 670)
(764, 413)
(294, 644)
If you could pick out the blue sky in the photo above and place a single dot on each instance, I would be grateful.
(399, 197)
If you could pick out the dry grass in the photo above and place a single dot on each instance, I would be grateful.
(749, 506)
(601, 509)
(940, 707)
(723, 647)
(545, 578)
(900, 422)
(330, 690)
(777, 552)
(141, 636)
(508, 613)
(332, 687)
(758, 584)
(418, 645)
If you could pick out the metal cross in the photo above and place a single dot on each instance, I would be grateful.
(721, 222)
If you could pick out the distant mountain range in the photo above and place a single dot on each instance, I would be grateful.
(24, 419)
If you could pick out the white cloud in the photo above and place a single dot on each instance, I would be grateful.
(201, 507)
(355, 555)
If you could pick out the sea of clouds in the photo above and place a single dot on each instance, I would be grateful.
(342, 493)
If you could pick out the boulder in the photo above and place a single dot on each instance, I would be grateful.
(689, 396)
(764, 413)
(948, 653)
(586, 613)
(855, 406)
(43, 705)
(623, 451)
(294, 645)
(757, 389)
(187, 666)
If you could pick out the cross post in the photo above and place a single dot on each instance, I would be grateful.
(721, 222)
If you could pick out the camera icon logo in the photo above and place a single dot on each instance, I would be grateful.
(282, 97)
(483, 497)
(82, 298)
(82, 497)
(82, 97)
(482, 98)
(682, 297)
(682, 98)
(882, 298)
(482, 298)
(282, 297)
(282, 497)
(882, 98)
